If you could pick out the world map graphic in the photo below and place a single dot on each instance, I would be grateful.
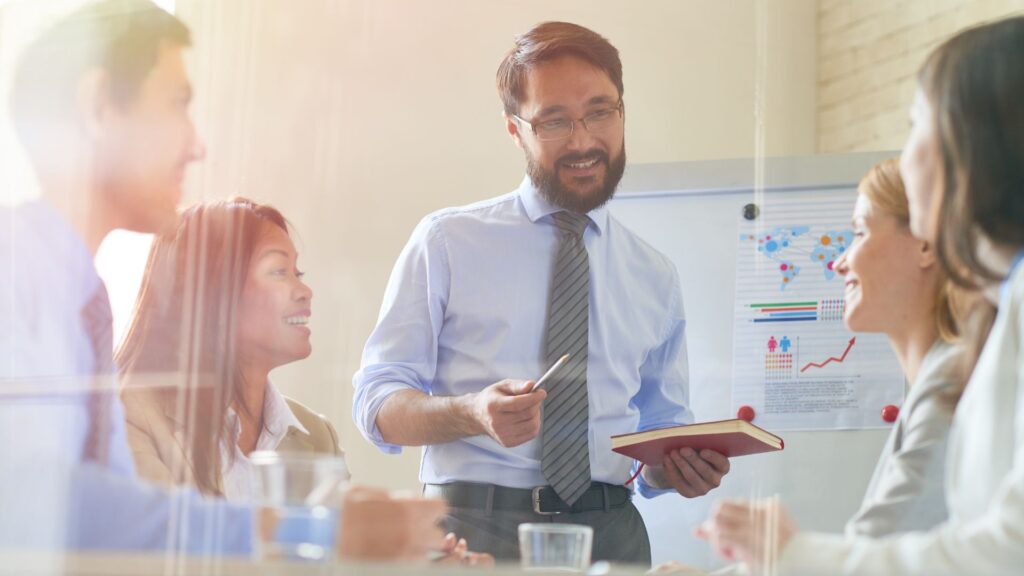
(791, 247)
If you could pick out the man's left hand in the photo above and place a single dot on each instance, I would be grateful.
(690, 473)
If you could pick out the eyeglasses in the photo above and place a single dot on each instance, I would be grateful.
(560, 128)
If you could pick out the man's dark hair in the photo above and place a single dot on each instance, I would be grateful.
(549, 41)
(121, 37)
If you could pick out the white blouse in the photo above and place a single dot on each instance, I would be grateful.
(237, 470)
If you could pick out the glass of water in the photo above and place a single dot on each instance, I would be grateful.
(555, 547)
(298, 497)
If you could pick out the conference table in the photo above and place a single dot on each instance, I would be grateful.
(91, 564)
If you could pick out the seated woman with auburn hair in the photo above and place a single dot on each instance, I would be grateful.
(222, 303)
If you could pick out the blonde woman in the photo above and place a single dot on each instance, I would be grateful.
(223, 303)
(895, 286)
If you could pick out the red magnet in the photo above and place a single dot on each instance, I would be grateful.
(745, 413)
(889, 413)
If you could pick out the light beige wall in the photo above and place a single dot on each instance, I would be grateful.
(358, 117)
(20, 22)
(868, 55)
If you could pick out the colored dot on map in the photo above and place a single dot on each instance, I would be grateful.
(771, 246)
(784, 267)
(821, 256)
(830, 265)
(839, 239)
(825, 240)
(767, 237)
(785, 279)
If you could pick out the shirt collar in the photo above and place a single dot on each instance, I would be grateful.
(537, 206)
(277, 415)
(277, 419)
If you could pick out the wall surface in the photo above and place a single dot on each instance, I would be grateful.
(869, 52)
(357, 118)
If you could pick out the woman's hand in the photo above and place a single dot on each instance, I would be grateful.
(456, 551)
(751, 532)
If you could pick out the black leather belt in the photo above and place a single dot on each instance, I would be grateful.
(542, 499)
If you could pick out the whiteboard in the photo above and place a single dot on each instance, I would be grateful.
(690, 211)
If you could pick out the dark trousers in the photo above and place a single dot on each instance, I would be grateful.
(619, 533)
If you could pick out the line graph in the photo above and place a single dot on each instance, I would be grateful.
(838, 360)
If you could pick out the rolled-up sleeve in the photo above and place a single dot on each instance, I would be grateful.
(401, 353)
(664, 396)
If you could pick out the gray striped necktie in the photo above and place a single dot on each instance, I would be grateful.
(565, 457)
(99, 325)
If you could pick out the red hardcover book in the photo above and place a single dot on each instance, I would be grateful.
(729, 437)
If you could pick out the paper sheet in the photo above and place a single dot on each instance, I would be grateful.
(795, 363)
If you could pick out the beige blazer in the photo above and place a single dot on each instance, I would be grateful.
(158, 447)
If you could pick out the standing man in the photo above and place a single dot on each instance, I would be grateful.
(485, 296)
(100, 101)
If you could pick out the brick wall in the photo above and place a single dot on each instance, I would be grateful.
(868, 55)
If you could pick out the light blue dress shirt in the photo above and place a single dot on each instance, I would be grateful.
(50, 498)
(466, 307)
(1004, 288)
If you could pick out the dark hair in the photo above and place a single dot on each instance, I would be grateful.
(185, 322)
(548, 41)
(975, 85)
(121, 37)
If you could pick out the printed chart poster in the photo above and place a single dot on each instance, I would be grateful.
(795, 363)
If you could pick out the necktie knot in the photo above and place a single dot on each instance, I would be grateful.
(571, 223)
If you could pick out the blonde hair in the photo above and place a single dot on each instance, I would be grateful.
(883, 187)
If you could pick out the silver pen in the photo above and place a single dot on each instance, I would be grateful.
(554, 367)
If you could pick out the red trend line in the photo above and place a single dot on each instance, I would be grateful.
(833, 358)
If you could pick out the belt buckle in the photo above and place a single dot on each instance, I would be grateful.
(536, 503)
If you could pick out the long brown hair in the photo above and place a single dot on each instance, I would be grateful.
(184, 330)
(974, 83)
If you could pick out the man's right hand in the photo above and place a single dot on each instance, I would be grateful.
(509, 412)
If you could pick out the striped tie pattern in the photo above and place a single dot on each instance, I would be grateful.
(565, 455)
(98, 322)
